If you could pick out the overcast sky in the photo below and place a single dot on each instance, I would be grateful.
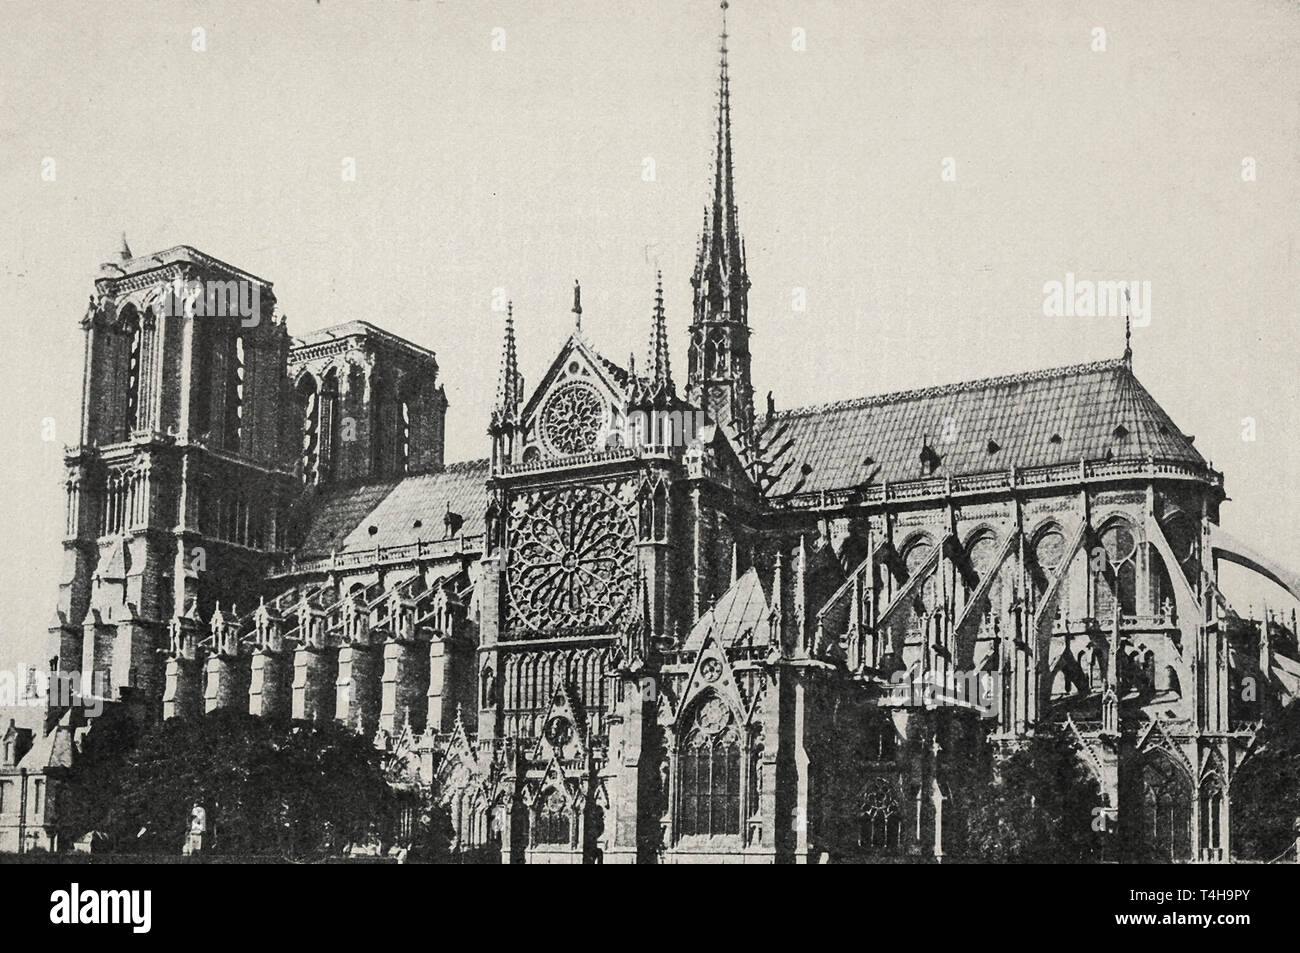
(522, 168)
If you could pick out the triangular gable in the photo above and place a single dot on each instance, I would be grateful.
(713, 673)
(460, 766)
(608, 376)
(563, 732)
(1155, 738)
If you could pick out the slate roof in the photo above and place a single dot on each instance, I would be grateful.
(741, 616)
(841, 445)
(52, 750)
(342, 516)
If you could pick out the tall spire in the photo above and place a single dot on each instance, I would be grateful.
(1128, 329)
(721, 257)
(657, 368)
(509, 384)
(719, 366)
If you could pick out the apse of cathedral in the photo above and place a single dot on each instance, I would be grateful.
(655, 622)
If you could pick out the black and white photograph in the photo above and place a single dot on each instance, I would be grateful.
(476, 432)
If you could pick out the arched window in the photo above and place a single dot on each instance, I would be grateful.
(709, 773)
(1166, 810)
(204, 347)
(1119, 578)
(661, 512)
(235, 372)
(880, 737)
(1183, 536)
(1092, 665)
(1048, 556)
(1181, 532)
(710, 356)
(387, 429)
(308, 413)
(1211, 813)
(328, 426)
(409, 441)
(1060, 684)
(915, 556)
(879, 818)
(133, 376)
(404, 450)
(981, 553)
(553, 819)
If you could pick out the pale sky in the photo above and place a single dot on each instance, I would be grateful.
(522, 169)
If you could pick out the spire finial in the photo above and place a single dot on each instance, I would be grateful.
(1128, 329)
(577, 304)
(125, 253)
(657, 368)
(508, 386)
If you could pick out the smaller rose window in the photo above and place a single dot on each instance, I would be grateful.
(571, 419)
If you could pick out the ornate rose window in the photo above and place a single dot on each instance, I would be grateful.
(572, 562)
(571, 419)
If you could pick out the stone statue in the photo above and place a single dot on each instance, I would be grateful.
(491, 523)
(196, 837)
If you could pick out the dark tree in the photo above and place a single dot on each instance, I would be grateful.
(269, 788)
(1265, 792)
(1040, 805)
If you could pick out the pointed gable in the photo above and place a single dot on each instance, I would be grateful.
(577, 358)
(581, 398)
(563, 733)
(712, 674)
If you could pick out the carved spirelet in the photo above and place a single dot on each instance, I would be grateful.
(572, 560)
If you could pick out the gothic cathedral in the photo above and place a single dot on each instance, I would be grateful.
(655, 624)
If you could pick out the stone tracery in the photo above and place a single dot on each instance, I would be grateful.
(572, 560)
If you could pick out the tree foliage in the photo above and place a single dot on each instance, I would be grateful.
(1265, 792)
(1039, 806)
(295, 790)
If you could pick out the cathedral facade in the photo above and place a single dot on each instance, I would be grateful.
(654, 623)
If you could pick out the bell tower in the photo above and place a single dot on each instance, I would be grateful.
(718, 379)
(177, 486)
